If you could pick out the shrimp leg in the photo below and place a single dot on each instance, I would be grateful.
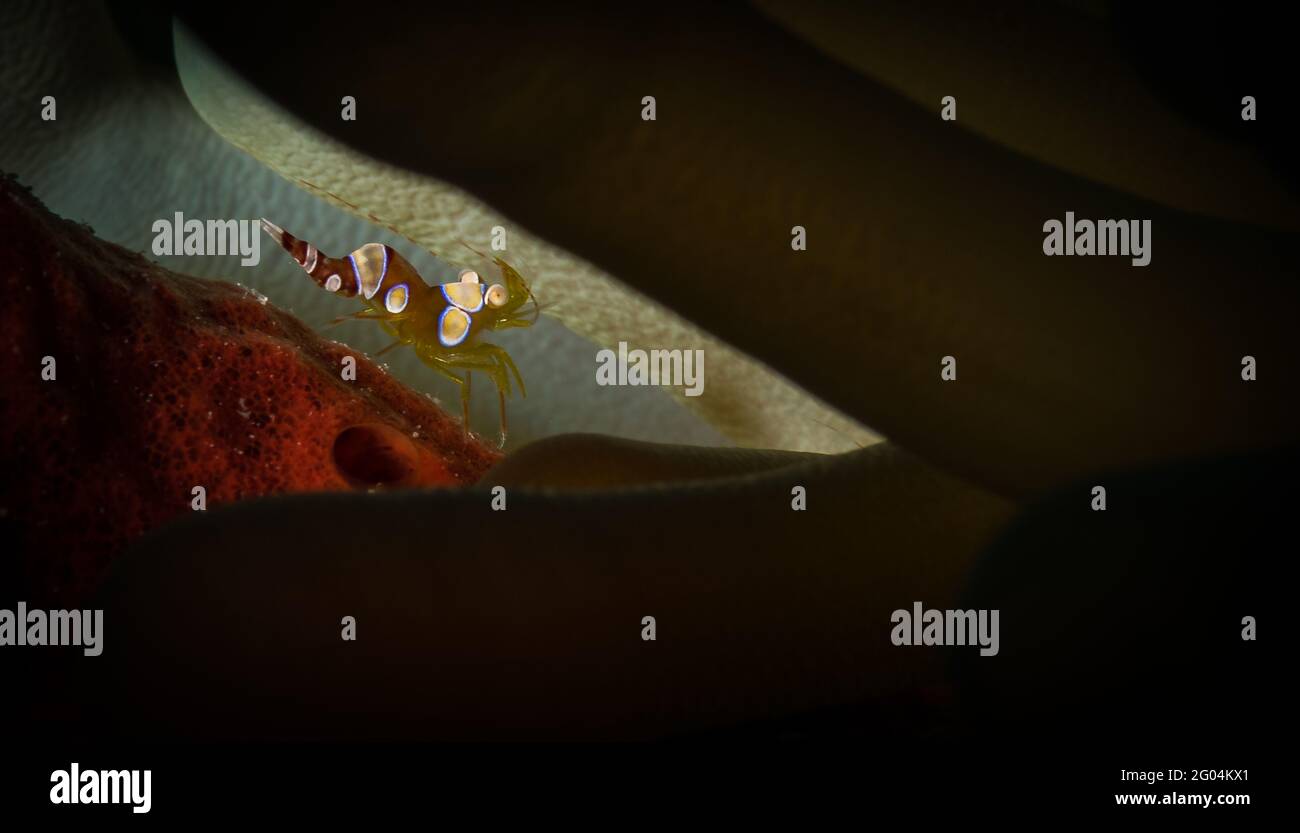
(489, 359)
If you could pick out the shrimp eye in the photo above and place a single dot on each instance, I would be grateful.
(469, 276)
(496, 295)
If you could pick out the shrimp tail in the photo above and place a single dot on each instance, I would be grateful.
(332, 273)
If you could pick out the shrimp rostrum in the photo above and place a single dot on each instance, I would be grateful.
(444, 324)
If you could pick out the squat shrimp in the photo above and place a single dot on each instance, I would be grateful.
(443, 323)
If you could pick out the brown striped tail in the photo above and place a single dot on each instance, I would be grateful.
(331, 273)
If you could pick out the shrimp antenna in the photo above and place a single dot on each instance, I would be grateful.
(462, 242)
(311, 186)
(840, 431)
(537, 308)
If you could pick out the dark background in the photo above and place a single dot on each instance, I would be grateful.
(1137, 663)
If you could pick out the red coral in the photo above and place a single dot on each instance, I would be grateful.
(165, 382)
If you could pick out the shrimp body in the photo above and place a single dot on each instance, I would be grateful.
(444, 323)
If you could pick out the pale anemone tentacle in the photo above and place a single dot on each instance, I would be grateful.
(748, 402)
